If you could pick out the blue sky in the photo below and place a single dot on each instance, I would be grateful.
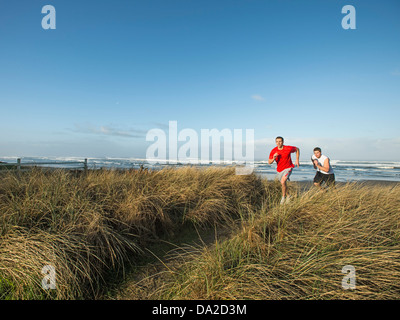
(113, 70)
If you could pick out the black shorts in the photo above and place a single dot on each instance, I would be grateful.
(320, 178)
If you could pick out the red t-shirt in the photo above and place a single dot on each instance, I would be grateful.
(283, 159)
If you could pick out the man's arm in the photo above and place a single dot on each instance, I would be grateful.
(325, 167)
(313, 162)
(297, 157)
(271, 160)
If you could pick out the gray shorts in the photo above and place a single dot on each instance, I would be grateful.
(286, 172)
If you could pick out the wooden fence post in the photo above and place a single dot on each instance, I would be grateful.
(85, 166)
(19, 164)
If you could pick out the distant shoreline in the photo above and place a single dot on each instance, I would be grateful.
(305, 177)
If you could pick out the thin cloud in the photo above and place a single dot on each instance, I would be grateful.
(396, 72)
(108, 131)
(160, 125)
(257, 97)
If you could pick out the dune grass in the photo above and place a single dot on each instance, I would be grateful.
(88, 225)
(298, 250)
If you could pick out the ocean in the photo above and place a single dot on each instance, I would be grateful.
(344, 170)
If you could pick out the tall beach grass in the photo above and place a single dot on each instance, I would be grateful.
(87, 225)
(298, 250)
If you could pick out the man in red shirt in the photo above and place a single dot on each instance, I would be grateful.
(281, 154)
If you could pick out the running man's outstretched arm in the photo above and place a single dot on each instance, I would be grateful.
(297, 157)
(271, 160)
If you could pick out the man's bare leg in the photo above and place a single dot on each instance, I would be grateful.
(284, 189)
(318, 185)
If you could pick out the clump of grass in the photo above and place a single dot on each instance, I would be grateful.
(297, 251)
(86, 225)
